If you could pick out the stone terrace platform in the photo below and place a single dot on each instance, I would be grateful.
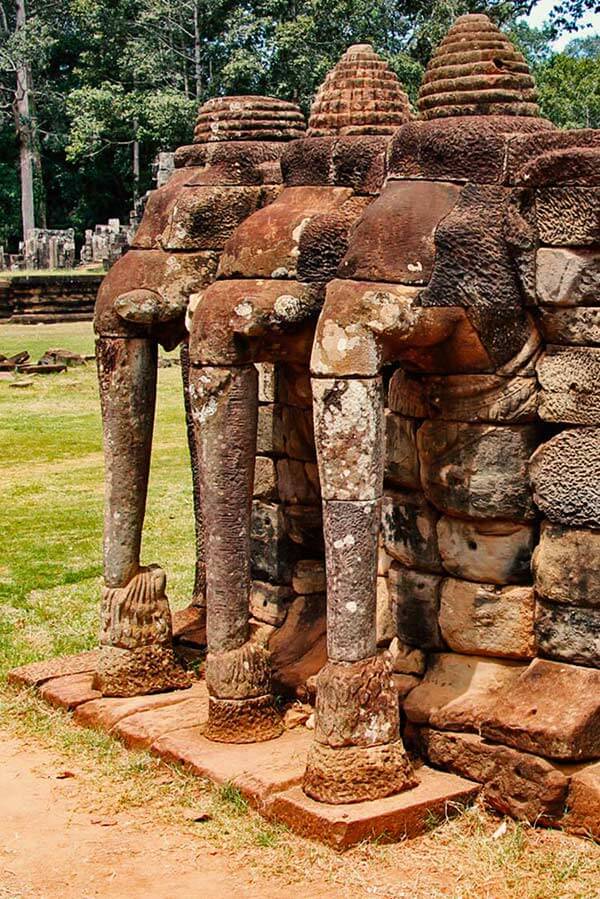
(269, 774)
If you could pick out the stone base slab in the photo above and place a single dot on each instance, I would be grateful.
(171, 725)
(394, 818)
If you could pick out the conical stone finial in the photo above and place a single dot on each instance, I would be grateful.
(477, 71)
(248, 118)
(360, 95)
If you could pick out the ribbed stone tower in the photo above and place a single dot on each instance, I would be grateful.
(477, 71)
(361, 95)
(248, 118)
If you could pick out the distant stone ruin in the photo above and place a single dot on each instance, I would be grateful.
(104, 244)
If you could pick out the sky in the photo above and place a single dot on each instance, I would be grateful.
(543, 9)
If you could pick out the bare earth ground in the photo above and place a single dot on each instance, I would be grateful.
(53, 844)
(127, 825)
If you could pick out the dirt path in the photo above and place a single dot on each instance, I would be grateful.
(53, 844)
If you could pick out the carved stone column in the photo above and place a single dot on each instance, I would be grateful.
(357, 753)
(137, 655)
(224, 411)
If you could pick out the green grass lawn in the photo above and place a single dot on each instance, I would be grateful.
(51, 518)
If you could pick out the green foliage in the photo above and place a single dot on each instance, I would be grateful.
(108, 73)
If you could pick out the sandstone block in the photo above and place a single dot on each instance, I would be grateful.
(401, 460)
(484, 619)
(569, 379)
(416, 602)
(304, 526)
(583, 803)
(568, 216)
(482, 398)
(408, 530)
(269, 437)
(298, 433)
(294, 483)
(384, 613)
(477, 471)
(406, 659)
(299, 648)
(579, 326)
(348, 430)
(496, 552)
(523, 786)
(568, 277)
(309, 576)
(273, 553)
(457, 690)
(394, 239)
(204, 218)
(551, 709)
(294, 386)
(565, 475)
(268, 382)
(269, 602)
(241, 673)
(568, 633)
(403, 684)
(265, 479)
(565, 565)
(406, 395)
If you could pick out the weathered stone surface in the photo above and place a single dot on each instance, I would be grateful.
(139, 730)
(568, 277)
(298, 433)
(487, 620)
(69, 691)
(477, 471)
(476, 70)
(583, 803)
(304, 526)
(265, 479)
(351, 578)
(481, 398)
(415, 603)
(243, 720)
(236, 162)
(408, 530)
(202, 218)
(357, 704)
(394, 239)
(576, 326)
(269, 437)
(406, 395)
(565, 565)
(299, 647)
(36, 673)
(297, 482)
(565, 475)
(309, 576)
(385, 625)
(398, 817)
(569, 165)
(294, 385)
(524, 150)
(268, 382)
(401, 460)
(360, 95)
(457, 690)
(269, 241)
(240, 673)
(324, 240)
(403, 684)
(151, 668)
(406, 659)
(348, 432)
(489, 290)
(568, 216)
(107, 713)
(357, 773)
(496, 552)
(523, 786)
(569, 379)
(458, 149)
(551, 709)
(247, 118)
(273, 553)
(568, 633)
(269, 602)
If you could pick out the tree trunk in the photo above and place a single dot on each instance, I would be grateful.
(136, 164)
(24, 133)
(197, 55)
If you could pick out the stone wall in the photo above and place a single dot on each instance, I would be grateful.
(39, 299)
